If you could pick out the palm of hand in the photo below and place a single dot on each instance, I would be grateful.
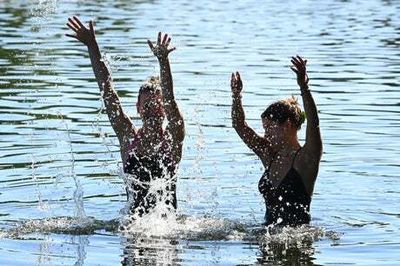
(299, 67)
(82, 34)
(161, 50)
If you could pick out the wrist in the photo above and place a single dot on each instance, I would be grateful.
(236, 96)
(304, 90)
(92, 45)
(162, 59)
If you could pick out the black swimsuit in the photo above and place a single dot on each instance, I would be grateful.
(289, 202)
(146, 171)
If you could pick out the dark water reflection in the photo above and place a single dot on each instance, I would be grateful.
(139, 251)
(56, 141)
(280, 253)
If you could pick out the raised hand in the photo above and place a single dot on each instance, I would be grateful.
(161, 50)
(299, 67)
(82, 34)
(236, 84)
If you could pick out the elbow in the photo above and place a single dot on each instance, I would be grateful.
(316, 121)
(236, 125)
(181, 135)
(235, 121)
(180, 131)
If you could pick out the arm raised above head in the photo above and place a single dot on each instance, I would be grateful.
(255, 142)
(313, 144)
(120, 122)
(176, 125)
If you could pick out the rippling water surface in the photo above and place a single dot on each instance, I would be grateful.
(61, 191)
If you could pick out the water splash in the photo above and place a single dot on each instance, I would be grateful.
(184, 227)
(59, 225)
(43, 9)
(78, 193)
(82, 243)
(149, 226)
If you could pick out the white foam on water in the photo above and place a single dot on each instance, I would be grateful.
(157, 224)
(59, 225)
(153, 225)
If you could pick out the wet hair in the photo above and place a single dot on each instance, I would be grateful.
(283, 110)
(151, 85)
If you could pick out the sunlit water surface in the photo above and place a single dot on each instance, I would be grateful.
(61, 191)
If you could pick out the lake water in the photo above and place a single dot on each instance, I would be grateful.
(61, 191)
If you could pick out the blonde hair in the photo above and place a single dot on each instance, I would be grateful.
(285, 109)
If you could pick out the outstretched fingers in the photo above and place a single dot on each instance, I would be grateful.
(71, 35)
(91, 27)
(294, 69)
(299, 62)
(164, 41)
(238, 76)
(75, 26)
(171, 49)
(168, 42)
(298, 67)
(295, 61)
(76, 19)
(150, 44)
(159, 38)
(71, 27)
(236, 82)
(232, 80)
(300, 59)
(161, 48)
(239, 79)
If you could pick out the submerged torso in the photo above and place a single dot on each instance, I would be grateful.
(287, 203)
(151, 179)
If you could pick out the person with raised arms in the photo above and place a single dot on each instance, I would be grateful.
(150, 154)
(290, 169)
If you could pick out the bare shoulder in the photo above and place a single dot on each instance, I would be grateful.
(263, 150)
(307, 165)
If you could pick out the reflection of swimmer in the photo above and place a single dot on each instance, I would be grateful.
(143, 250)
(151, 154)
(291, 170)
(283, 254)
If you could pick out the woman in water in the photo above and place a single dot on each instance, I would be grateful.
(150, 154)
(290, 169)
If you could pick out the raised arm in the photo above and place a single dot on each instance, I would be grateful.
(120, 122)
(176, 126)
(255, 142)
(313, 144)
